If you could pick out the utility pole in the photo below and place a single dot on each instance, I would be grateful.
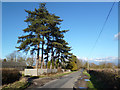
(88, 64)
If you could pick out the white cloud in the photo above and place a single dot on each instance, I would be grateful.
(110, 58)
(99, 60)
(86, 59)
(117, 36)
(78, 57)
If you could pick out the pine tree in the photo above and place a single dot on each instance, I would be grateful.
(37, 27)
(55, 30)
(43, 30)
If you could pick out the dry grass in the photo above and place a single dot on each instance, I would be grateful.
(21, 84)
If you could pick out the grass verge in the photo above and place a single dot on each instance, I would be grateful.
(62, 74)
(89, 83)
(86, 73)
(18, 85)
(54, 75)
(96, 82)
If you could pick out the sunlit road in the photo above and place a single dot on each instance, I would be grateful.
(64, 82)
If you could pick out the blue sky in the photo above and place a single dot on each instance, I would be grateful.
(84, 20)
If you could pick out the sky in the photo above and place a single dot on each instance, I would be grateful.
(83, 19)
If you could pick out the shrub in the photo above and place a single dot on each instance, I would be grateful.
(74, 66)
(10, 75)
(59, 70)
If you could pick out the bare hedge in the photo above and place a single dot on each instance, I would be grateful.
(105, 78)
(10, 75)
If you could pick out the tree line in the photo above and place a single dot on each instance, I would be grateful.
(102, 65)
(16, 56)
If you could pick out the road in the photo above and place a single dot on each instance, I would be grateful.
(66, 81)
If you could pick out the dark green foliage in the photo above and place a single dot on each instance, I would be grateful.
(36, 28)
(44, 30)
(73, 64)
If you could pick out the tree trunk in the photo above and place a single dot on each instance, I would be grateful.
(37, 61)
(58, 60)
(47, 52)
(47, 61)
(52, 54)
(55, 61)
(42, 53)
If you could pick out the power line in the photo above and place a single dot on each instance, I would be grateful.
(102, 28)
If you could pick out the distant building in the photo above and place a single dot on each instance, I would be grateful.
(18, 65)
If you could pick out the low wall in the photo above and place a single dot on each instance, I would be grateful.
(53, 70)
(33, 72)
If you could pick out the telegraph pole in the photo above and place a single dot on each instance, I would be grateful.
(88, 64)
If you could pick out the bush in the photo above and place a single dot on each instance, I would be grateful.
(74, 66)
(10, 75)
(59, 70)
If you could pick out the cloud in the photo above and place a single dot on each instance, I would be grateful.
(103, 59)
(78, 57)
(117, 36)
(110, 59)
(86, 59)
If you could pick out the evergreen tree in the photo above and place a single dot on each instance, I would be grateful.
(43, 30)
(72, 63)
(37, 27)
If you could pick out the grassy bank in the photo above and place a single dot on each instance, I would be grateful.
(21, 84)
(89, 83)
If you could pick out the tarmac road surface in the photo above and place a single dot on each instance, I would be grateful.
(66, 81)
